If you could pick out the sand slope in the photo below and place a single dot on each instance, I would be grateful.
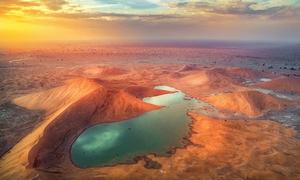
(14, 163)
(51, 146)
(219, 79)
(122, 105)
(250, 103)
(141, 91)
(188, 67)
(71, 108)
(286, 84)
(205, 82)
(53, 99)
(103, 70)
(242, 74)
(209, 79)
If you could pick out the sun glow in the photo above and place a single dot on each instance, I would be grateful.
(26, 21)
(19, 33)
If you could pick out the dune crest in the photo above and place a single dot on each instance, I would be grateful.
(205, 82)
(103, 70)
(188, 67)
(251, 103)
(141, 91)
(53, 99)
(122, 106)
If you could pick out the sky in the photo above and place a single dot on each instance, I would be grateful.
(30, 21)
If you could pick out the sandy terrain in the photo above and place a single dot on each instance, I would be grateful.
(284, 84)
(251, 103)
(219, 149)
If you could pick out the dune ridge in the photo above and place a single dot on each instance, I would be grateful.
(205, 82)
(103, 70)
(53, 99)
(121, 105)
(249, 102)
(141, 91)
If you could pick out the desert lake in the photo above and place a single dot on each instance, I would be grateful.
(155, 132)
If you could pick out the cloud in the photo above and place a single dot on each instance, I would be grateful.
(117, 16)
(16, 5)
(19, 3)
(135, 4)
(235, 7)
(288, 12)
(54, 4)
(9, 5)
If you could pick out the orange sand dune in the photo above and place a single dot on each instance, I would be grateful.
(54, 99)
(103, 70)
(51, 146)
(121, 105)
(188, 67)
(77, 105)
(57, 103)
(210, 78)
(286, 84)
(94, 108)
(218, 77)
(142, 91)
(250, 103)
(205, 82)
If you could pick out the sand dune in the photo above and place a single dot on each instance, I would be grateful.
(52, 145)
(57, 103)
(95, 108)
(77, 105)
(209, 78)
(285, 84)
(121, 105)
(220, 148)
(205, 82)
(103, 70)
(142, 91)
(188, 67)
(250, 103)
(218, 77)
(56, 98)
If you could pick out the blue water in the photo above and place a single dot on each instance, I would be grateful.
(153, 132)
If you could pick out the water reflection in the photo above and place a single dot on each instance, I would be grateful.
(153, 132)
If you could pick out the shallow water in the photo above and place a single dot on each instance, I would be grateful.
(153, 132)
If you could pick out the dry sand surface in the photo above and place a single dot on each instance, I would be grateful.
(285, 84)
(251, 103)
(219, 149)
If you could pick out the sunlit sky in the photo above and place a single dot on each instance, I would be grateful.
(142, 20)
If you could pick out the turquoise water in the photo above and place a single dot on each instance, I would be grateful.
(153, 132)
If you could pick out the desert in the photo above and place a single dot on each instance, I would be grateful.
(228, 129)
(149, 89)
